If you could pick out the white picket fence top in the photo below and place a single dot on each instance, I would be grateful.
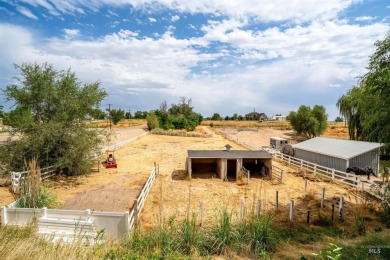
(50, 171)
(115, 224)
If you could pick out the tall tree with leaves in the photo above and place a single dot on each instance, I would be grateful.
(52, 107)
(309, 122)
(117, 115)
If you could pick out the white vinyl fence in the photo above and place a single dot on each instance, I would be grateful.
(60, 222)
(338, 176)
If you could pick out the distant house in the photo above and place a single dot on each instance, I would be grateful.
(256, 116)
(279, 118)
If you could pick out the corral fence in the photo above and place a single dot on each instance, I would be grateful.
(329, 173)
(325, 209)
(115, 225)
(50, 171)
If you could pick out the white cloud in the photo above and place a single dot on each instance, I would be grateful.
(175, 18)
(152, 20)
(71, 33)
(364, 18)
(263, 10)
(26, 12)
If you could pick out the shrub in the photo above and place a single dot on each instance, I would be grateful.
(152, 121)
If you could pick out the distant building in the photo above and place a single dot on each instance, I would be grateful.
(279, 118)
(339, 153)
(256, 116)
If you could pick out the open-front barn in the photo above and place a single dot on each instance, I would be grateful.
(226, 164)
(339, 154)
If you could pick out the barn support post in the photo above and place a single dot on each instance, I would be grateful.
(249, 176)
(135, 207)
(242, 210)
(277, 199)
(322, 197)
(341, 207)
(201, 214)
(291, 211)
(305, 188)
(3, 216)
(258, 209)
(282, 177)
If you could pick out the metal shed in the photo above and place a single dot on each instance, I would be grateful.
(339, 153)
(226, 163)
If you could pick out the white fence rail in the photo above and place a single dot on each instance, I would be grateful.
(116, 225)
(335, 175)
(120, 144)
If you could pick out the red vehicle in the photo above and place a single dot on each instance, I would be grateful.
(111, 161)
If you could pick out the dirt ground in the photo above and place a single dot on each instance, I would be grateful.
(116, 189)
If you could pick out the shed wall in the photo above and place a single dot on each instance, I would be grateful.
(321, 159)
(370, 159)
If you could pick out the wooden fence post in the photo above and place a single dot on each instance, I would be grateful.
(242, 209)
(301, 163)
(99, 166)
(308, 217)
(289, 160)
(135, 207)
(3, 216)
(322, 197)
(291, 211)
(282, 177)
(305, 188)
(315, 168)
(277, 199)
(333, 174)
(258, 209)
(341, 206)
(155, 168)
(201, 214)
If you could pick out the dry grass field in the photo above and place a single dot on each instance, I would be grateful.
(116, 189)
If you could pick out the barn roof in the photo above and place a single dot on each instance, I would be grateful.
(232, 154)
(339, 148)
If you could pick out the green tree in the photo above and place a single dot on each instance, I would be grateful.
(308, 122)
(366, 106)
(1, 111)
(235, 116)
(128, 115)
(98, 114)
(339, 119)
(216, 117)
(152, 121)
(138, 115)
(117, 115)
(58, 103)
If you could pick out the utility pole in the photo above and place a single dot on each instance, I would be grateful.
(109, 113)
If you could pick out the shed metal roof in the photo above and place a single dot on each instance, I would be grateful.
(339, 148)
(232, 154)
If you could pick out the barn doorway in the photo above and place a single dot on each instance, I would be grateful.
(204, 168)
(231, 170)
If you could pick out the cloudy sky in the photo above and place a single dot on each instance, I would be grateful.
(229, 56)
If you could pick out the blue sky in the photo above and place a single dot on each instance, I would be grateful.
(228, 56)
